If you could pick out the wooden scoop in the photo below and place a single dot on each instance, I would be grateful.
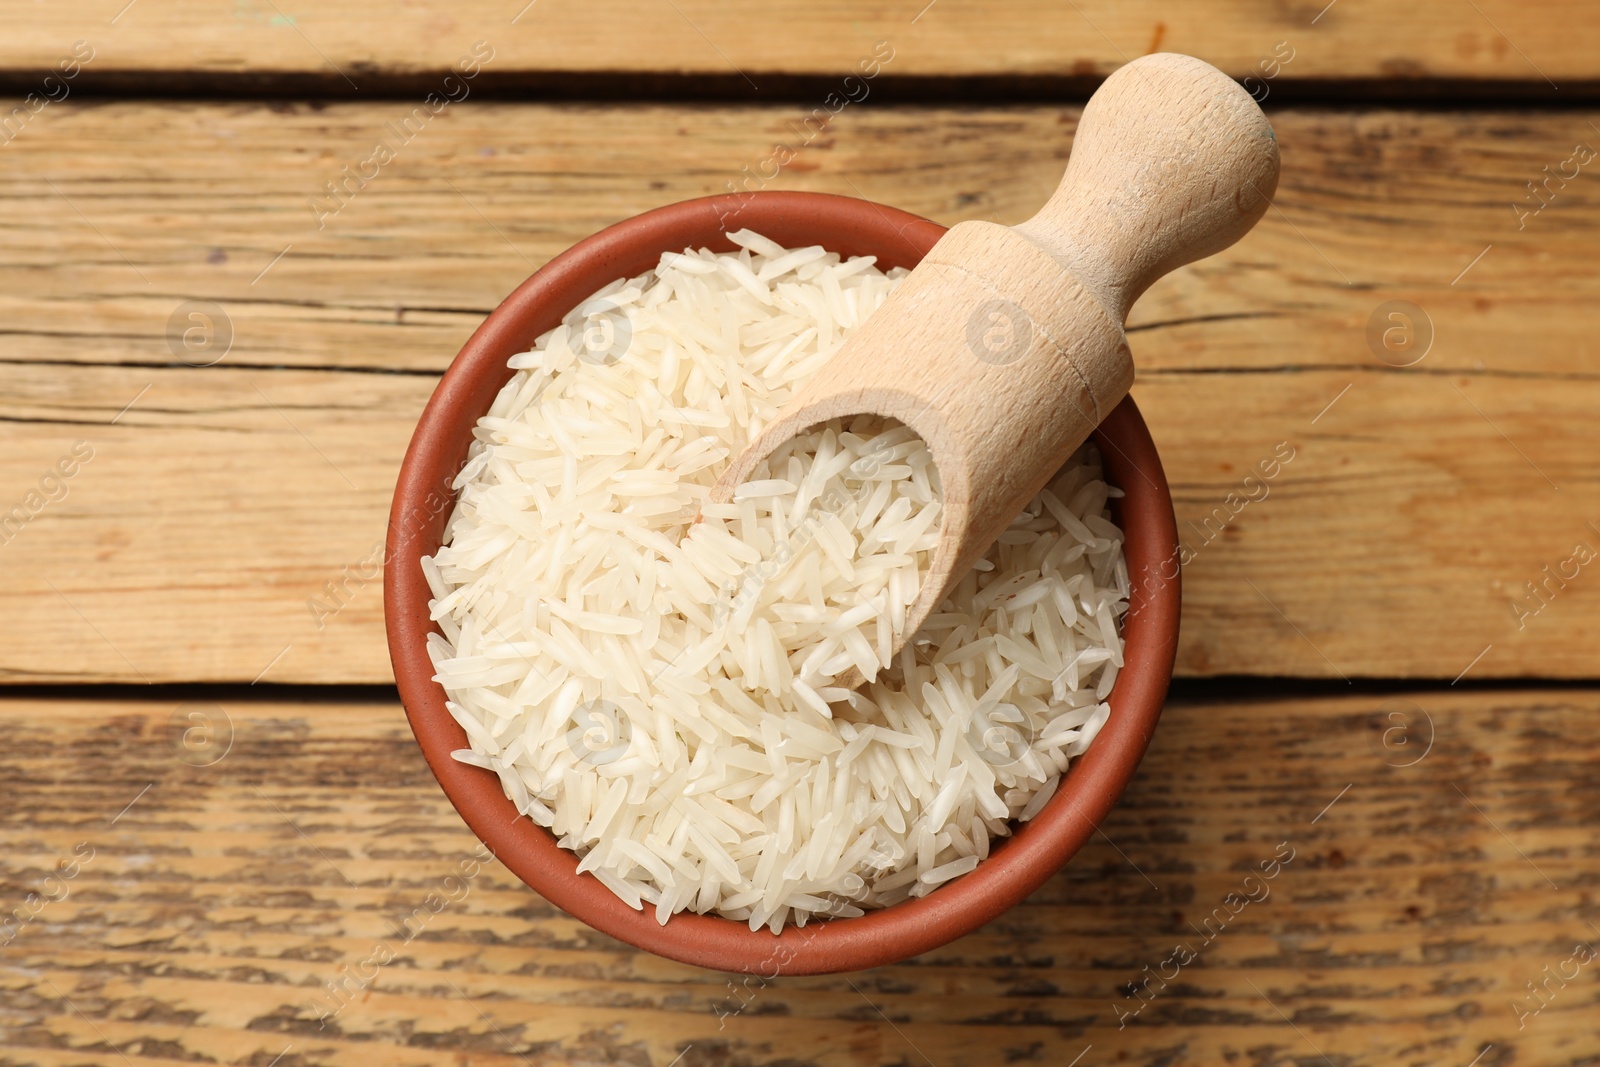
(1005, 348)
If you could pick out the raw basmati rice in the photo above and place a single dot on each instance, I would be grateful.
(651, 675)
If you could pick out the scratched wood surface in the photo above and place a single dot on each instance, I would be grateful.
(1439, 853)
(219, 500)
(1445, 840)
(1430, 39)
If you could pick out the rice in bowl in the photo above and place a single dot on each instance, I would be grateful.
(650, 676)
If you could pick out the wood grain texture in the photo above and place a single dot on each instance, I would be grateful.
(362, 40)
(228, 496)
(1438, 861)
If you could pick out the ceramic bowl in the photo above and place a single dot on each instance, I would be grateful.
(423, 500)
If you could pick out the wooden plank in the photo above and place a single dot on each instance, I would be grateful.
(358, 42)
(1441, 860)
(1420, 500)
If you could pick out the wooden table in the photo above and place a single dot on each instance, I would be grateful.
(214, 805)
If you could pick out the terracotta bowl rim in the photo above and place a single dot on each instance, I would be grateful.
(422, 501)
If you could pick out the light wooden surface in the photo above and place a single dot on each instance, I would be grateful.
(1488, 39)
(1404, 510)
(1416, 505)
(1419, 900)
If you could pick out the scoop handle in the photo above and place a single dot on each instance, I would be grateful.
(1172, 162)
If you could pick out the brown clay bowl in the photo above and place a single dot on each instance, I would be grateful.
(423, 500)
